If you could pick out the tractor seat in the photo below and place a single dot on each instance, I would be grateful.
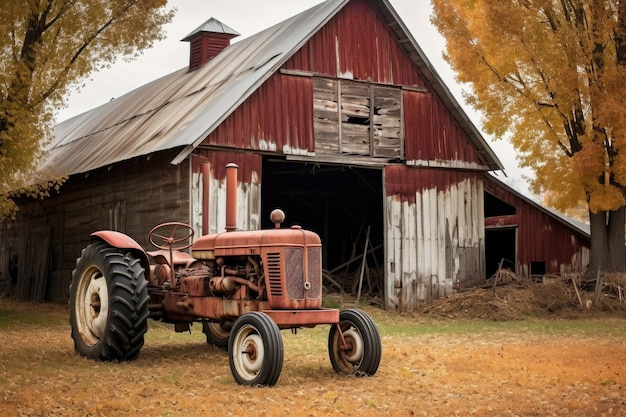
(162, 256)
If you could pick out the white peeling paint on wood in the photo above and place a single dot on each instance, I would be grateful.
(248, 204)
(438, 163)
(434, 243)
(195, 209)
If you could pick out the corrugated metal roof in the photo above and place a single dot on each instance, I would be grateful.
(182, 108)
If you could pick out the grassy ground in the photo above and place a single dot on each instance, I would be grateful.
(430, 367)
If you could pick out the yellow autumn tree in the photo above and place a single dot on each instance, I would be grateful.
(552, 75)
(48, 47)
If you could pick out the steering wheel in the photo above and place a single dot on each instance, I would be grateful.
(166, 232)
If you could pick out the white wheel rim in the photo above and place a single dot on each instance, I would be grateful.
(248, 352)
(354, 339)
(92, 305)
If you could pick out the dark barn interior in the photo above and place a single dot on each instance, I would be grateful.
(339, 203)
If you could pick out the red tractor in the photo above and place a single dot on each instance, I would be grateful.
(243, 286)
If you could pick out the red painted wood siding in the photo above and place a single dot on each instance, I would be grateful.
(249, 170)
(357, 44)
(431, 134)
(276, 117)
(405, 182)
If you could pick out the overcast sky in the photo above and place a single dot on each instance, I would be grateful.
(249, 17)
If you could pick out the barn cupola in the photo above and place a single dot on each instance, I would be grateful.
(208, 40)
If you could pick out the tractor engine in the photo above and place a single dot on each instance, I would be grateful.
(211, 278)
(233, 272)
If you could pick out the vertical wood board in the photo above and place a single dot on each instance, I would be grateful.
(430, 249)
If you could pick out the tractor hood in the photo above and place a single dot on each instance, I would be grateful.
(243, 243)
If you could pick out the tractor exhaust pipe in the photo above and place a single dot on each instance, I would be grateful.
(231, 197)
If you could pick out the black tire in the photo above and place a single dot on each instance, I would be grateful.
(217, 333)
(362, 357)
(255, 350)
(108, 304)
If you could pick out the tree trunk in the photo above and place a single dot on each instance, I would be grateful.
(608, 241)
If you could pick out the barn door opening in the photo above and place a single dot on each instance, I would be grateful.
(500, 235)
(339, 203)
(500, 249)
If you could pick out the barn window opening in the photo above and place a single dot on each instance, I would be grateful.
(496, 207)
(357, 118)
(537, 268)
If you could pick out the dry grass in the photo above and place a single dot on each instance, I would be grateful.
(430, 367)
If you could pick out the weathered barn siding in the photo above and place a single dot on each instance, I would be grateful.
(357, 44)
(434, 234)
(130, 197)
(276, 118)
(357, 119)
(541, 237)
(433, 138)
(214, 196)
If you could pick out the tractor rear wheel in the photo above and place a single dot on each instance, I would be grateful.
(255, 350)
(217, 333)
(108, 303)
(362, 351)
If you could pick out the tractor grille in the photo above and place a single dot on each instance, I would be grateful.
(273, 274)
(294, 273)
(315, 272)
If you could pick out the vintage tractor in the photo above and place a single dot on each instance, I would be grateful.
(242, 286)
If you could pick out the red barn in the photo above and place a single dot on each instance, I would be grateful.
(334, 115)
(529, 239)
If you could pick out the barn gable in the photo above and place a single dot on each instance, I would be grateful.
(371, 106)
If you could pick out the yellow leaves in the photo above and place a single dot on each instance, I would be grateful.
(70, 40)
(605, 197)
(545, 73)
(590, 163)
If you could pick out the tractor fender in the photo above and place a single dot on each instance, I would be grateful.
(122, 241)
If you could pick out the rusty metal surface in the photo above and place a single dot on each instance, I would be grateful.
(177, 306)
(296, 318)
(250, 242)
(195, 284)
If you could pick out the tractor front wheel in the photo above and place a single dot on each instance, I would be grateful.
(255, 350)
(108, 303)
(360, 354)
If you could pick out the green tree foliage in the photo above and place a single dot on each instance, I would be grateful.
(47, 47)
(552, 74)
